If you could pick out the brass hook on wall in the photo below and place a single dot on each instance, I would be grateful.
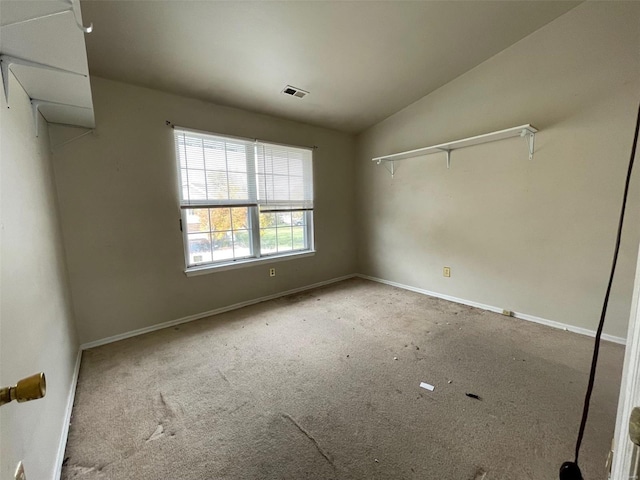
(30, 388)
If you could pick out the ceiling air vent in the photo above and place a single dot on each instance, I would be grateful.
(294, 92)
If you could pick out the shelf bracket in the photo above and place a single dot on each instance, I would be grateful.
(389, 165)
(84, 29)
(6, 61)
(448, 152)
(530, 138)
(35, 105)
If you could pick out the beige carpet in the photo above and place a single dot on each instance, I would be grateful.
(325, 384)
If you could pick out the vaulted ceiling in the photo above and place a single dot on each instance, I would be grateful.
(361, 61)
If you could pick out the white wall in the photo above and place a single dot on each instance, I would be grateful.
(119, 209)
(537, 236)
(37, 332)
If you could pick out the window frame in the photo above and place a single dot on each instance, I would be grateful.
(253, 215)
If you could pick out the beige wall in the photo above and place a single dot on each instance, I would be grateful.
(37, 332)
(119, 208)
(531, 236)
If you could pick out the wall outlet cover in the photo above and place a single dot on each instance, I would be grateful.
(446, 271)
(272, 272)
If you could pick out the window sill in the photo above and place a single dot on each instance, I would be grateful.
(249, 262)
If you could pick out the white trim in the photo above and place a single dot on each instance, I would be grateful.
(629, 390)
(221, 267)
(522, 316)
(216, 311)
(67, 416)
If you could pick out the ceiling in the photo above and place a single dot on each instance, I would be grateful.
(361, 61)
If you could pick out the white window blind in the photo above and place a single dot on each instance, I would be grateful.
(224, 171)
(284, 178)
(215, 171)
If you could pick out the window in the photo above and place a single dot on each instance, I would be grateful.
(242, 199)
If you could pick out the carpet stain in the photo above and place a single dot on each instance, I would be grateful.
(479, 475)
(224, 377)
(164, 409)
(76, 470)
(166, 417)
(313, 440)
(235, 409)
(156, 434)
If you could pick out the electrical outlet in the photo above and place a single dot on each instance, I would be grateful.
(20, 475)
(446, 272)
(272, 272)
(508, 313)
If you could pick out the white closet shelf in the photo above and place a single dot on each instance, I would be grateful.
(527, 131)
(42, 43)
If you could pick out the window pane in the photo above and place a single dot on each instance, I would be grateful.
(267, 220)
(225, 234)
(199, 248)
(220, 219)
(284, 218)
(198, 220)
(241, 243)
(222, 244)
(298, 238)
(298, 218)
(268, 241)
(239, 216)
(284, 239)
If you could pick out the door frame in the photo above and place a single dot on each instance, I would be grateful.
(623, 450)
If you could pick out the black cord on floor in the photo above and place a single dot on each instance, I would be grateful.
(572, 470)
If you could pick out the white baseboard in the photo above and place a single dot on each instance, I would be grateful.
(67, 416)
(522, 316)
(197, 316)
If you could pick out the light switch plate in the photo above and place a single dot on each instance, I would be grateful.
(20, 475)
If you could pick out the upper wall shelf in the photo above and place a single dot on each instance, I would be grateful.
(42, 43)
(526, 131)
